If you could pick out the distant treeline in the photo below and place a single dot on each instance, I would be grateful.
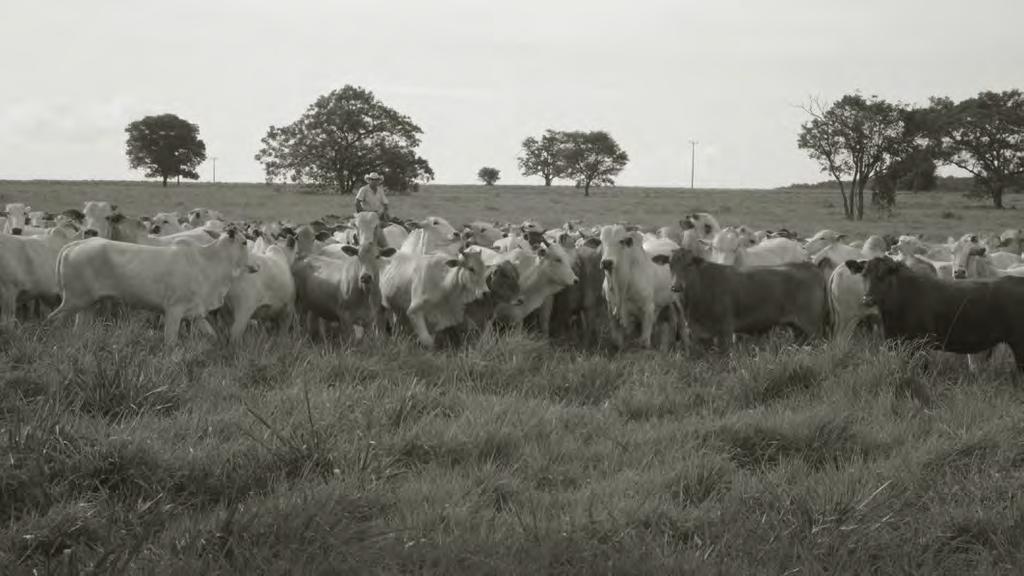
(965, 184)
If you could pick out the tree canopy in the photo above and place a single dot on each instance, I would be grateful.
(340, 138)
(591, 158)
(983, 135)
(165, 146)
(543, 157)
(854, 139)
(489, 175)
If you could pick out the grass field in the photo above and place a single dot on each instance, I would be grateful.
(514, 455)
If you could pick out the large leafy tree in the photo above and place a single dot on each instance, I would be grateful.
(591, 158)
(340, 138)
(854, 139)
(983, 135)
(165, 146)
(543, 157)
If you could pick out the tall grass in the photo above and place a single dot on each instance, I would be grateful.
(509, 455)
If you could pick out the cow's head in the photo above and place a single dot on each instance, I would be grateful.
(966, 250)
(555, 265)
(369, 229)
(165, 223)
(98, 217)
(823, 239)
(369, 256)
(681, 263)
(879, 275)
(17, 214)
(618, 247)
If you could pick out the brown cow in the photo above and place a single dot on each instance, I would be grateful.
(964, 317)
(721, 300)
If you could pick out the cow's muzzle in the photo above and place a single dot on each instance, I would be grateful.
(90, 233)
(365, 278)
(677, 288)
(607, 265)
(868, 301)
(959, 274)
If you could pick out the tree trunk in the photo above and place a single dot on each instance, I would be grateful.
(586, 188)
(547, 180)
(997, 197)
(165, 181)
(860, 200)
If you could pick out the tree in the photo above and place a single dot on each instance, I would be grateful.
(166, 146)
(983, 135)
(591, 158)
(543, 157)
(854, 139)
(489, 175)
(340, 138)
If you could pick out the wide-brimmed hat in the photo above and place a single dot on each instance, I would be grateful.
(373, 176)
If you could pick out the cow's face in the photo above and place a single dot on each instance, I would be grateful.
(98, 217)
(17, 214)
(235, 243)
(682, 262)
(439, 231)
(198, 216)
(965, 251)
(616, 245)
(823, 239)
(370, 257)
(555, 265)
(165, 223)
(503, 282)
(879, 278)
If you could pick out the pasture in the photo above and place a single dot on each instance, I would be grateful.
(513, 454)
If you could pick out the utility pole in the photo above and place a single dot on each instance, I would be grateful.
(693, 158)
(214, 168)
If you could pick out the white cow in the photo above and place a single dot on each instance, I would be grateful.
(874, 247)
(635, 289)
(165, 224)
(267, 293)
(198, 217)
(433, 235)
(483, 234)
(727, 249)
(550, 271)
(182, 281)
(395, 235)
(97, 218)
(17, 217)
(28, 267)
(432, 290)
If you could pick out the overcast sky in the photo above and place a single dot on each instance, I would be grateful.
(479, 76)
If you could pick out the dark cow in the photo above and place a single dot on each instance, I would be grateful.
(583, 302)
(964, 317)
(721, 300)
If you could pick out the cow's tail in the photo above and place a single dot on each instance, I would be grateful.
(61, 289)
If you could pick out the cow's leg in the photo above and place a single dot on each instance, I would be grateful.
(286, 320)
(419, 325)
(205, 327)
(647, 325)
(8, 305)
(544, 315)
(616, 329)
(239, 323)
(172, 323)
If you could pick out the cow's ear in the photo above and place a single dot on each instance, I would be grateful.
(252, 268)
(628, 242)
(322, 235)
(388, 252)
(978, 251)
(685, 224)
(452, 263)
(855, 266)
(660, 259)
(116, 218)
(155, 229)
(211, 233)
(350, 250)
(708, 229)
(592, 242)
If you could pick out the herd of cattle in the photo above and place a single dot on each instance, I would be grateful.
(692, 281)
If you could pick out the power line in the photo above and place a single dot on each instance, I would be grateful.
(214, 168)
